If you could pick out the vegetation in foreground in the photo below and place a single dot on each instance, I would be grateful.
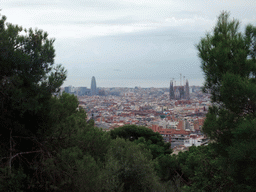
(47, 145)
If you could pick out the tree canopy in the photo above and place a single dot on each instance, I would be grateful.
(28, 80)
(228, 59)
(229, 64)
(130, 167)
(144, 136)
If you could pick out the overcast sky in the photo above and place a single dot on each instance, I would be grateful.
(127, 43)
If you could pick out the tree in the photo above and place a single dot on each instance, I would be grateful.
(28, 79)
(27, 75)
(46, 142)
(228, 60)
(74, 151)
(153, 141)
(130, 168)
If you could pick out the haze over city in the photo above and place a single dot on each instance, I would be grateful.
(127, 43)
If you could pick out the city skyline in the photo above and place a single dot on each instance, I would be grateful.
(127, 43)
(93, 81)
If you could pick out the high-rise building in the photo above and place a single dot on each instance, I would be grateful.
(171, 90)
(93, 86)
(69, 89)
(83, 91)
(187, 90)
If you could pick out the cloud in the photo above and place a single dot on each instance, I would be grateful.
(128, 41)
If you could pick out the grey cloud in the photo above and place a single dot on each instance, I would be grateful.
(155, 55)
(155, 51)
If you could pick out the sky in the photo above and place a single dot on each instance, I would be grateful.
(127, 43)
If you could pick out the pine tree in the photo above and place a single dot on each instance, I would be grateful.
(228, 60)
(28, 79)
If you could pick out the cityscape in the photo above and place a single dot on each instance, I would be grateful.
(128, 95)
(177, 112)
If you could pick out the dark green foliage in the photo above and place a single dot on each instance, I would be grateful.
(74, 155)
(242, 155)
(69, 125)
(28, 78)
(199, 169)
(133, 132)
(130, 168)
(204, 169)
(224, 51)
(169, 170)
(144, 136)
(71, 170)
(229, 64)
(40, 133)
(12, 182)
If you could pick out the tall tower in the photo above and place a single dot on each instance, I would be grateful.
(171, 91)
(93, 86)
(187, 90)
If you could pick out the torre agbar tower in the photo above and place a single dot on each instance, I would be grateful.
(93, 86)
